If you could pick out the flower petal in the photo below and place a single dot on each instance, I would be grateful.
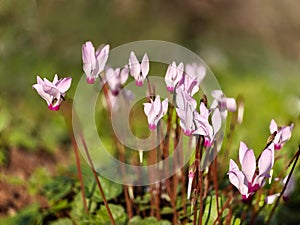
(64, 84)
(145, 66)
(216, 120)
(273, 126)
(266, 160)
(242, 151)
(249, 165)
(102, 56)
(134, 66)
(231, 104)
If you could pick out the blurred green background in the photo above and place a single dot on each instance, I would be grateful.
(253, 48)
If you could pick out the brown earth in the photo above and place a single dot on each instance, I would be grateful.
(21, 164)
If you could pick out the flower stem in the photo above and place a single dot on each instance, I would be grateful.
(75, 148)
(97, 181)
(66, 112)
(295, 159)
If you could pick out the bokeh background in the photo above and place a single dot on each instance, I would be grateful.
(253, 48)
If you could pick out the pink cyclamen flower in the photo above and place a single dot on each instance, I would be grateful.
(93, 62)
(155, 110)
(203, 126)
(190, 84)
(53, 92)
(290, 187)
(116, 78)
(192, 78)
(173, 75)
(139, 70)
(223, 103)
(195, 71)
(247, 181)
(186, 111)
(283, 134)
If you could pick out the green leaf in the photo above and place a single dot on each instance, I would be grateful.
(63, 221)
(58, 188)
(117, 211)
(137, 220)
(111, 189)
(28, 216)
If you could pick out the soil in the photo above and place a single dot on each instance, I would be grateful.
(21, 164)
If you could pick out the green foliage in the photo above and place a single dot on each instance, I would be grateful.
(58, 188)
(28, 216)
(137, 220)
(62, 221)
(117, 211)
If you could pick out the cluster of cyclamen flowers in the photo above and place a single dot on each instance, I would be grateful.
(248, 180)
(184, 82)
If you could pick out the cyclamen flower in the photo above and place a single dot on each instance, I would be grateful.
(283, 134)
(116, 78)
(93, 62)
(186, 111)
(223, 103)
(290, 187)
(192, 78)
(247, 181)
(174, 75)
(53, 92)
(155, 110)
(203, 126)
(195, 71)
(190, 84)
(139, 70)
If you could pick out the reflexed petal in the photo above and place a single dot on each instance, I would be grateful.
(55, 79)
(242, 151)
(266, 160)
(40, 91)
(231, 104)
(147, 108)
(201, 72)
(249, 165)
(217, 94)
(157, 105)
(39, 80)
(237, 178)
(64, 84)
(290, 186)
(124, 74)
(102, 56)
(112, 78)
(165, 106)
(273, 126)
(271, 198)
(52, 91)
(180, 69)
(145, 66)
(286, 133)
(233, 165)
(203, 110)
(134, 66)
(216, 120)
(88, 53)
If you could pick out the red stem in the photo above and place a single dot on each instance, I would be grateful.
(75, 148)
(284, 187)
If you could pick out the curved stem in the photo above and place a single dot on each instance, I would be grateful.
(286, 183)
